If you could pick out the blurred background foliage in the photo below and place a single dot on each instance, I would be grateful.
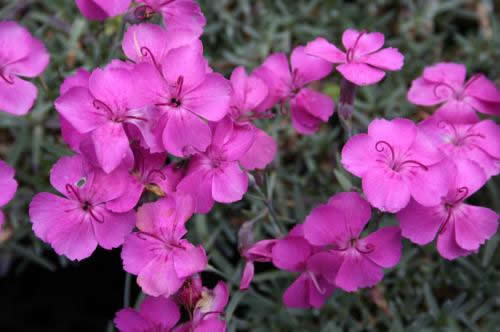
(423, 293)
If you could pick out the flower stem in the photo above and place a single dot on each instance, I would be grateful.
(346, 105)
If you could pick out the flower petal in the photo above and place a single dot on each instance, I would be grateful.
(17, 98)
(308, 68)
(419, 223)
(357, 272)
(229, 184)
(387, 59)
(189, 261)
(185, 132)
(474, 225)
(360, 73)
(291, 253)
(386, 190)
(321, 48)
(387, 246)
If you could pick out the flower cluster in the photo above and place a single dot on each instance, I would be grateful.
(124, 121)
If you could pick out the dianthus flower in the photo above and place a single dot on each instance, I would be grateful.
(215, 175)
(177, 13)
(8, 185)
(363, 62)
(155, 314)
(157, 253)
(113, 98)
(444, 84)
(295, 254)
(308, 107)
(76, 224)
(478, 142)
(100, 10)
(248, 93)
(460, 228)
(395, 161)
(27, 57)
(258, 252)
(352, 262)
(185, 94)
(148, 42)
(206, 316)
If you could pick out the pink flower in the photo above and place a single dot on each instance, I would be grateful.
(395, 161)
(208, 311)
(295, 254)
(443, 84)
(112, 99)
(215, 175)
(25, 57)
(355, 262)
(258, 252)
(155, 314)
(99, 10)
(309, 108)
(186, 95)
(151, 43)
(477, 142)
(157, 253)
(178, 13)
(248, 93)
(76, 224)
(147, 172)
(69, 134)
(8, 185)
(460, 228)
(364, 62)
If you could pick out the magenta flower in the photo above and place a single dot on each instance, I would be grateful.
(248, 93)
(8, 185)
(157, 253)
(151, 43)
(76, 224)
(258, 252)
(295, 254)
(477, 142)
(395, 161)
(208, 311)
(112, 99)
(355, 262)
(99, 10)
(156, 314)
(444, 84)
(309, 108)
(460, 228)
(364, 62)
(27, 57)
(69, 134)
(178, 13)
(147, 173)
(215, 175)
(186, 95)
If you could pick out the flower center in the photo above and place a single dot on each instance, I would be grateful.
(108, 112)
(450, 205)
(85, 205)
(457, 138)
(350, 55)
(354, 243)
(6, 77)
(396, 164)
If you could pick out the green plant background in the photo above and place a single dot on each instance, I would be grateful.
(423, 293)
